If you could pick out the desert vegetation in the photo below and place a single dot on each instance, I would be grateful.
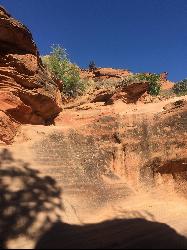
(62, 69)
(152, 79)
(180, 88)
(68, 73)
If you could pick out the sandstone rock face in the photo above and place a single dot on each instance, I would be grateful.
(128, 94)
(105, 158)
(109, 86)
(166, 85)
(110, 72)
(105, 73)
(100, 162)
(86, 74)
(142, 147)
(8, 128)
(27, 94)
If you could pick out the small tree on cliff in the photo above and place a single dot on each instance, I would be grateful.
(61, 67)
(92, 66)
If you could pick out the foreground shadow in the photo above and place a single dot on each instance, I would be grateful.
(30, 206)
(29, 202)
(116, 234)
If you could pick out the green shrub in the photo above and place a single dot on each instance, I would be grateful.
(152, 79)
(180, 88)
(59, 65)
(154, 83)
(128, 80)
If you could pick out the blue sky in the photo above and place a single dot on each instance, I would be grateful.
(141, 35)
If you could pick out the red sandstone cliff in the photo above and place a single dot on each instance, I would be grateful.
(105, 73)
(103, 157)
(27, 94)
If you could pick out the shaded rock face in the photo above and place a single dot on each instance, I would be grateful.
(165, 143)
(27, 94)
(141, 150)
(128, 94)
(110, 87)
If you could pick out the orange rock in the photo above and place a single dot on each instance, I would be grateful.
(164, 76)
(128, 94)
(167, 85)
(86, 74)
(110, 72)
(27, 93)
(104, 73)
(142, 144)
(8, 128)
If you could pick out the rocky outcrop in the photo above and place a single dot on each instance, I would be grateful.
(110, 86)
(8, 128)
(104, 73)
(97, 163)
(27, 93)
(110, 72)
(128, 94)
(104, 158)
(167, 85)
(140, 146)
(86, 74)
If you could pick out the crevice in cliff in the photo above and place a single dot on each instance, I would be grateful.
(12, 48)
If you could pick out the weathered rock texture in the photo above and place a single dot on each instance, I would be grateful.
(117, 74)
(128, 94)
(94, 165)
(104, 158)
(142, 147)
(110, 72)
(107, 85)
(27, 94)
(105, 73)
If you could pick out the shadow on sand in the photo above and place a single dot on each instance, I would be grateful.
(31, 205)
(27, 200)
(116, 234)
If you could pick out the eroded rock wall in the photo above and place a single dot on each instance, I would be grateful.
(27, 94)
(109, 145)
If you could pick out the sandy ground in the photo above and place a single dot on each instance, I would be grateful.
(83, 205)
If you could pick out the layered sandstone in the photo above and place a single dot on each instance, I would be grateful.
(141, 146)
(27, 94)
(115, 160)
(104, 73)
(109, 156)
(110, 72)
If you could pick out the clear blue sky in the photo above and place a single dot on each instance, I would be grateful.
(141, 35)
